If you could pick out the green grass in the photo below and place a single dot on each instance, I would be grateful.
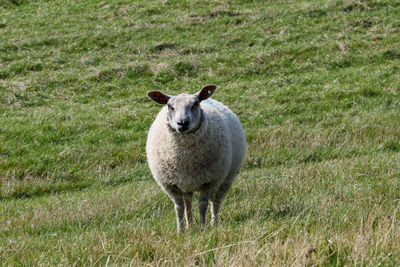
(315, 84)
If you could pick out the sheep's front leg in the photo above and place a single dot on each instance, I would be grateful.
(177, 198)
(203, 203)
(179, 208)
(187, 199)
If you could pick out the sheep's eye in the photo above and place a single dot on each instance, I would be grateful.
(195, 105)
(170, 107)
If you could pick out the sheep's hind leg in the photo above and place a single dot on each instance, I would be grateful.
(187, 198)
(217, 197)
(215, 206)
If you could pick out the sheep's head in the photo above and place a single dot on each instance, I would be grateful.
(184, 112)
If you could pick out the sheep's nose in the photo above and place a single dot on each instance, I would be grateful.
(183, 125)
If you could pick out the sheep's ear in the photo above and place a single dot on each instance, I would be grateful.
(158, 97)
(206, 92)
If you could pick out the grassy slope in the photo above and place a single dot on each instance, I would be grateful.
(315, 84)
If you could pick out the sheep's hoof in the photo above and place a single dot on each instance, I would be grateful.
(202, 226)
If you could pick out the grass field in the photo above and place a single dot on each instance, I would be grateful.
(315, 84)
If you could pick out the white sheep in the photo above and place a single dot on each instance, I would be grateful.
(195, 145)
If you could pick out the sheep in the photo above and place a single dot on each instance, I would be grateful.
(194, 144)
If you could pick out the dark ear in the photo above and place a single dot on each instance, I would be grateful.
(158, 97)
(206, 92)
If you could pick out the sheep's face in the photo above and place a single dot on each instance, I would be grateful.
(184, 112)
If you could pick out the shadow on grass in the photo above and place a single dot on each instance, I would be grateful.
(29, 191)
(285, 211)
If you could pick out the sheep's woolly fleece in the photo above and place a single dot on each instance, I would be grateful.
(211, 155)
